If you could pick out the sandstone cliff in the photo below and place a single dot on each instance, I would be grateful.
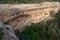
(21, 15)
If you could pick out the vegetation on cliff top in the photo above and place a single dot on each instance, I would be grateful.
(25, 1)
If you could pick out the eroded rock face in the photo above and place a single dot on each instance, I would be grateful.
(21, 15)
(8, 32)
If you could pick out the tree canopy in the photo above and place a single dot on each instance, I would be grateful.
(24, 1)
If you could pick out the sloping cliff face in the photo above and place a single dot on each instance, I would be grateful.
(21, 15)
(8, 32)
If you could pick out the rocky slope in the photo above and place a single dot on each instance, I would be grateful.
(8, 32)
(21, 15)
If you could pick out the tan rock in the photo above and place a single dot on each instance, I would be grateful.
(21, 15)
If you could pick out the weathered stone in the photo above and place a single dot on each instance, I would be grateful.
(21, 15)
(8, 32)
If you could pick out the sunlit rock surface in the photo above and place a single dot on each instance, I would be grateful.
(20, 15)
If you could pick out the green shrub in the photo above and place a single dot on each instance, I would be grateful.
(24, 1)
(1, 33)
(21, 35)
(40, 31)
(58, 18)
(49, 30)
